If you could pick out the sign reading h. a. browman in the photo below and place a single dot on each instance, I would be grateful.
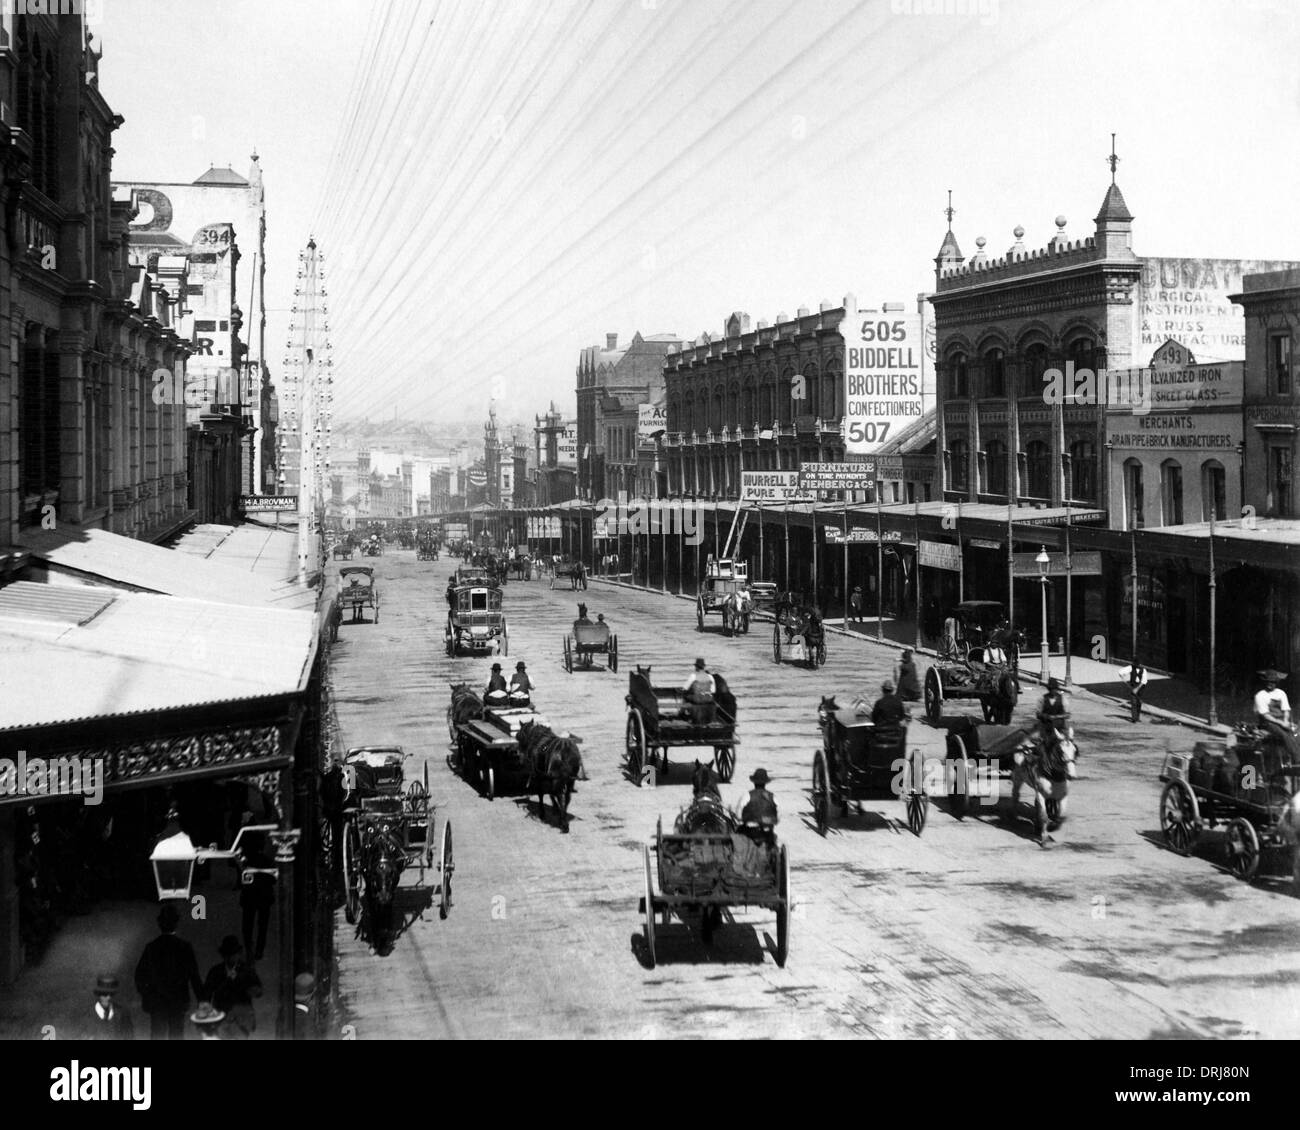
(883, 386)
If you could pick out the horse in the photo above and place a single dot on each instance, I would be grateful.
(466, 706)
(706, 812)
(1047, 767)
(644, 672)
(383, 860)
(554, 764)
(736, 607)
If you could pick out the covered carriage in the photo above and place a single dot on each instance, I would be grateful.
(859, 759)
(475, 623)
(357, 592)
(565, 568)
(662, 718)
(725, 590)
(588, 640)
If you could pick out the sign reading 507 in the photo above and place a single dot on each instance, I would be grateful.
(882, 377)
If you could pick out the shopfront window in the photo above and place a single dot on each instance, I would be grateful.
(1279, 480)
(1037, 457)
(997, 467)
(1134, 509)
(1214, 491)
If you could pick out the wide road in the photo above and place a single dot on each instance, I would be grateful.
(970, 932)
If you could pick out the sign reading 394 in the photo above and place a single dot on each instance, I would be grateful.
(882, 375)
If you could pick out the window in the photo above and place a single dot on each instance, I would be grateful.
(959, 379)
(1171, 490)
(957, 464)
(996, 481)
(1083, 470)
(1133, 501)
(1037, 456)
(1279, 364)
(1035, 366)
(995, 373)
(1214, 492)
(1279, 481)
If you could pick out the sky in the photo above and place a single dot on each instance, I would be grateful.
(496, 184)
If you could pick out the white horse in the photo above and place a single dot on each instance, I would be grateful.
(1047, 768)
(736, 607)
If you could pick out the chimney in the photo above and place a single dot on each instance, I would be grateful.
(611, 341)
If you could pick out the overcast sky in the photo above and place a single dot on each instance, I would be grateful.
(498, 183)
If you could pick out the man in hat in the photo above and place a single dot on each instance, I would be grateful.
(889, 712)
(700, 688)
(1054, 711)
(496, 688)
(109, 1020)
(1273, 712)
(165, 975)
(304, 1007)
(521, 686)
(231, 986)
(760, 808)
(909, 683)
(1134, 677)
(855, 604)
(209, 1021)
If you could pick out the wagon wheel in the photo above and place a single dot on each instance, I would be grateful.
(820, 656)
(783, 911)
(724, 761)
(933, 696)
(649, 911)
(446, 867)
(353, 879)
(635, 744)
(1179, 817)
(699, 614)
(505, 640)
(776, 642)
(917, 799)
(490, 783)
(613, 654)
(744, 623)
(1243, 848)
(451, 646)
(568, 655)
(962, 802)
(821, 793)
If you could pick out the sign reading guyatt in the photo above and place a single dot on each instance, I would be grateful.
(883, 379)
(643, 516)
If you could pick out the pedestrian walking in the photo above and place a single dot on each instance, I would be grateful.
(166, 974)
(1134, 677)
(108, 1020)
(855, 604)
(909, 683)
(230, 987)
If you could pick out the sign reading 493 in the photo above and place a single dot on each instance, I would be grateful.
(882, 376)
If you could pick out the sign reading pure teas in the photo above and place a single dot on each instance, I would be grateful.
(772, 486)
(883, 387)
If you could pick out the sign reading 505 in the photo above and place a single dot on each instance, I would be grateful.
(882, 376)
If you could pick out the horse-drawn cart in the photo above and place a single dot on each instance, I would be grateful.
(725, 590)
(387, 828)
(565, 568)
(859, 759)
(588, 640)
(475, 623)
(798, 636)
(661, 718)
(1249, 787)
(703, 872)
(357, 592)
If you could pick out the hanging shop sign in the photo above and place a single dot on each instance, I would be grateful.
(835, 535)
(268, 503)
(837, 476)
(1084, 564)
(938, 555)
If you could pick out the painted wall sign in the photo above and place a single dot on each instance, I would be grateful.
(1176, 431)
(837, 476)
(650, 418)
(835, 535)
(883, 376)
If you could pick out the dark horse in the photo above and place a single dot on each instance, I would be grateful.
(384, 859)
(706, 812)
(466, 706)
(554, 763)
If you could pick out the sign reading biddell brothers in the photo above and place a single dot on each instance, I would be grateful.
(883, 377)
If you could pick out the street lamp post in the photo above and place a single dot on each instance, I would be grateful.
(1042, 559)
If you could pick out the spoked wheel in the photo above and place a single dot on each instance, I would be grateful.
(776, 643)
(446, 868)
(916, 798)
(613, 654)
(724, 762)
(635, 745)
(568, 655)
(821, 793)
(933, 696)
(963, 802)
(649, 911)
(505, 641)
(353, 879)
(451, 647)
(1179, 818)
(821, 653)
(1243, 848)
(783, 911)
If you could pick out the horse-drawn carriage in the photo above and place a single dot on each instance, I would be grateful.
(798, 635)
(426, 548)
(764, 597)
(507, 746)
(373, 546)
(859, 759)
(977, 661)
(725, 590)
(475, 623)
(342, 551)
(565, 568)
(703, 872)
(663, 718)
(388, 826)
(1247, 785)
(586, 641)
(357, 592)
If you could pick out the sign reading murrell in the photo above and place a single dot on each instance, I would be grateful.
(772, 486)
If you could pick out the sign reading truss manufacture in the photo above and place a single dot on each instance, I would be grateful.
(280, 503)
(883, 379)
(837, 476)
(772, 486)
(938, 555)
(835, 535)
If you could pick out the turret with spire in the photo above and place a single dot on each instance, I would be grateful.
(1114, 238)
(950, 255)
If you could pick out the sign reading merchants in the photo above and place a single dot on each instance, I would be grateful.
(772, 486)
(882, 376)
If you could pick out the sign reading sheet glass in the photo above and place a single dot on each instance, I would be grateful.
(882, 376)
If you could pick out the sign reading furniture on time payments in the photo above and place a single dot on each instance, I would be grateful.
(883, 379)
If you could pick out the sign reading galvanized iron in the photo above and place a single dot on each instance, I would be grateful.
(837, 476)
(1085, 564)
(280, 503)
(835, 535)
(883, 380)
(772, 486)
(938, 555)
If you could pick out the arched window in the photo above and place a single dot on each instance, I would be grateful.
(1214, 491)
(995, 373)
(1036, 358)
(1134, 504)
(783, 391)
(1038, 481)
(959, 377)
(996, 455)
(749, 405)
(1083, 352)
(830, 409)
(1171, 492)
(1083, 470)
(958, 464)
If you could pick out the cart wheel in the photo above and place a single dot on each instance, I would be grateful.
(451, 647)
(962, 802)
(724, 761)
(613, 654)
(568, 655)
(776, 642)
(1179, 818)
(490, 783)
(699, 614)
(933, 696)
(821, 653)
(783, 911)
(649, 911)
(635, 745)
(447, 867)
(1243, 848)
(505, 641)
(821, 793)
(918, 808)
(352, 877)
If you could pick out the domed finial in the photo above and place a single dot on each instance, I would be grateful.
(980, 242)
(1019, 233)
(1060, 223)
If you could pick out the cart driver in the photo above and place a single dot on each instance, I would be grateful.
(496, 688)
(889, 711)
(760, 808)
(700, 688)
(521, 686)
(1273, 713)
(1054, 710)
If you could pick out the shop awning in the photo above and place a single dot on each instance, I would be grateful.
(267, 553)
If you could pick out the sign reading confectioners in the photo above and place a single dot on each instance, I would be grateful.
(883, 378)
